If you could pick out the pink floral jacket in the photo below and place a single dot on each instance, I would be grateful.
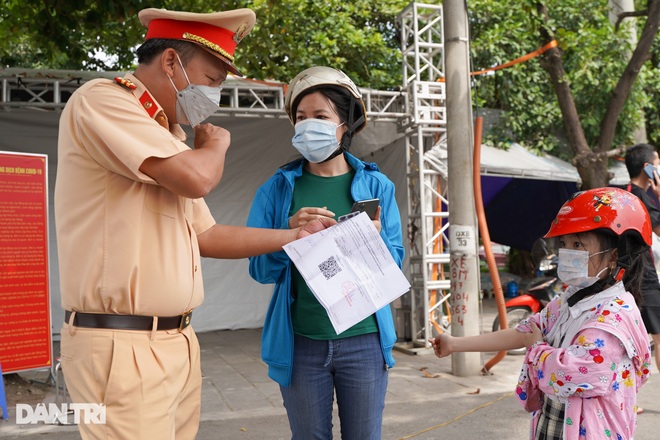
(597, 375)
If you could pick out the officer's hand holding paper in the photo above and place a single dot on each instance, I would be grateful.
(349, 269)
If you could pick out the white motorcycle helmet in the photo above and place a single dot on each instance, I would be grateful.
(326, 76)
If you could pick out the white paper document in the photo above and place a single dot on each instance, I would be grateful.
(349, 270)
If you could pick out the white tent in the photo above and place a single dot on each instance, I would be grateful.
(517, 161)
(259, 145)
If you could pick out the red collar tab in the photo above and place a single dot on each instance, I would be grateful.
(148, 104)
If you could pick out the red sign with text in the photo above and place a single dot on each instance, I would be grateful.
(25, 333)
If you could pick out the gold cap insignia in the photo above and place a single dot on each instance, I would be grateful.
(240, 33)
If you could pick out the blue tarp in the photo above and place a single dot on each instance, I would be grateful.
(519, 211)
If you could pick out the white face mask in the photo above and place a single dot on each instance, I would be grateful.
(195, 103)
(315, 139)
(573, 267)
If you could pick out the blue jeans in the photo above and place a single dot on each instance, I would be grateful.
(355, 369)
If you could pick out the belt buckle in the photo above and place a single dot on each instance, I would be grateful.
(185, 320)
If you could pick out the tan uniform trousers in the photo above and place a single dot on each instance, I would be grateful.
(149, 382)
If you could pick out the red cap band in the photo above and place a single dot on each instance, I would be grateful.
(217, 39)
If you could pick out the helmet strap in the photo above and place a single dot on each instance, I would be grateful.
(618, 273)
(336, 153)
(343, 145)
(588, 291)
(625, 260)
(351, 112)
(623, 263)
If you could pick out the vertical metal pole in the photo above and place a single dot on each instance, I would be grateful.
(57, 99)
(464, 264)
(5, 92)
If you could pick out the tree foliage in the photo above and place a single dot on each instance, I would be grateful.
(69, 34)
(359, 37)
(586, 73)
(578, 101)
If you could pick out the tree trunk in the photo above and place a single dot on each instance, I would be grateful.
(621, 91)
(592, 164)
(618, 9)
(592, 169)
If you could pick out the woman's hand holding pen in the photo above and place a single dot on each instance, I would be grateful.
(308, 214)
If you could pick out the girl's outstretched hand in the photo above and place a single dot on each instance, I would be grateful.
(442, 345)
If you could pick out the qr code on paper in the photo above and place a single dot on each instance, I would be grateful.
(329, 268)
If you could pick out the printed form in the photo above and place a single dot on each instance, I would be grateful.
(349, 270)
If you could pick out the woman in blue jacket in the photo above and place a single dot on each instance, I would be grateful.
(305, 355)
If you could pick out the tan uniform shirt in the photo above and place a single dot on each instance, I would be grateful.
(126, 245)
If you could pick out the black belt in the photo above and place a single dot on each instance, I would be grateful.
(128, 322)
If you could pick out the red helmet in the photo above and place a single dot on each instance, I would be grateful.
(610, 208)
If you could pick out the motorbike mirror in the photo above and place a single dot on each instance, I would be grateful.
(548, 263)
(543, 285)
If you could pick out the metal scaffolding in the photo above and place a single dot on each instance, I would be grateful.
(422, 44)
(418, 109)
(50, 89)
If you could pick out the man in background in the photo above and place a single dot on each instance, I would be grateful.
(639, 157)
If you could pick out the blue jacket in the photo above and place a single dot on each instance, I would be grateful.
(270, 209)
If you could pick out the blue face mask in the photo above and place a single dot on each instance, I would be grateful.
(316, 139)
(573, 267)
(195, 103)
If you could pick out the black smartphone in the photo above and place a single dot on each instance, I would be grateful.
(369, 206)
(649, 169)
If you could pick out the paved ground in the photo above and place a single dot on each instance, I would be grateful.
(424, 400)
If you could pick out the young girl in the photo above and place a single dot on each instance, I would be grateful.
(587, 351)
(309, 360)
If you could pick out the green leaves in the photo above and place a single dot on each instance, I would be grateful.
(358, 37)
(61, 34)
(361, 37)
(594, 56)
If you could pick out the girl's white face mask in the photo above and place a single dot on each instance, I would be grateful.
(573, 267)
(195, 103)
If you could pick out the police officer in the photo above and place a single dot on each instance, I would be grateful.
(132, 225)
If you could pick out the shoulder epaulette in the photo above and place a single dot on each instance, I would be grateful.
(125, 82)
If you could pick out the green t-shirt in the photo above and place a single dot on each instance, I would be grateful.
(308, 315)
